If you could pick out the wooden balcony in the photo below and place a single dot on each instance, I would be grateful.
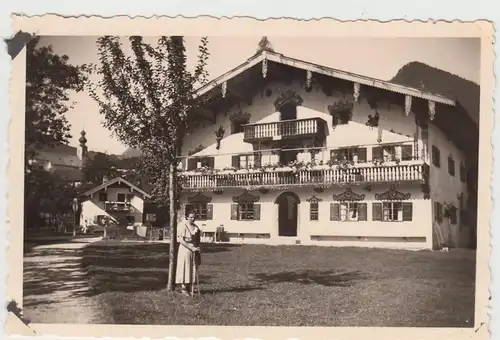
(117, 206)
(305, 178)
(286, 129)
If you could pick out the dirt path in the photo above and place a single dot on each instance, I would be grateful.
(56, 284)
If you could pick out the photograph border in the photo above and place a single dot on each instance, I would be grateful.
(209, 26)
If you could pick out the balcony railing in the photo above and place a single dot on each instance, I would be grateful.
(305, 178)
(285, 129)
(117, 206)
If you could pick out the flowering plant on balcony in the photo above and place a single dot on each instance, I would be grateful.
(449, 209)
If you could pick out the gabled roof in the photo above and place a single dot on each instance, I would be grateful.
(335, 73)
(113, 181)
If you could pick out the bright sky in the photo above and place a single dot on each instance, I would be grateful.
(373, 57)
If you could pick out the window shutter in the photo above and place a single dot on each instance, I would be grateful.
(362, 155)
(191, 164)
(406, 152)
(211, 162)
(377, 153)
(453, 217)
(235, 161)
(256, 212)
(234, 211)
(183, 164)
(210, 212)
(189, 208)
(407, 211)
(462, 173)
(436, 156)
(437, 212)
(377, 212)
(362, 212)
(334, 211)
(257, 159)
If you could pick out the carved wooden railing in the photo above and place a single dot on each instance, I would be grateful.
(304, 178)
(285, 129)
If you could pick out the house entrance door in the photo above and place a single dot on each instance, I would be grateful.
(288, 204)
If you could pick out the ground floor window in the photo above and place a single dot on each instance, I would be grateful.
(245, 212)
(313, 211)
(348, 211)
(392, 211)
(202, 211)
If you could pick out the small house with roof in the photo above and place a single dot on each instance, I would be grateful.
(118, 199)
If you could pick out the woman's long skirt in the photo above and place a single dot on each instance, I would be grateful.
(184, 271)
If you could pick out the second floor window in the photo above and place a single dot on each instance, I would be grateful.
(451, 166)
(247, 161)
(349, 154)
(436, 156)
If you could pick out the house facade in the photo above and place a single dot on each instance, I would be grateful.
(118, 199)
(297, 153)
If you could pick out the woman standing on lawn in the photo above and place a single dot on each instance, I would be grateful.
(188, 253)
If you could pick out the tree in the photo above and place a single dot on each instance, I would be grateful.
(49, 81)
(149, 101)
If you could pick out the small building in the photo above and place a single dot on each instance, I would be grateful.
(116, 198)
(291, 152)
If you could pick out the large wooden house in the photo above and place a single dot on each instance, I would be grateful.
(298, 153)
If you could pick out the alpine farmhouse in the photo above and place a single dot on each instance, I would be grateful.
(298, 153)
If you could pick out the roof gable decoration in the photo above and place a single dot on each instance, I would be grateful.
(118, 180)
(348, 195)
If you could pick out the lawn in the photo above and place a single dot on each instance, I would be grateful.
(257, 285)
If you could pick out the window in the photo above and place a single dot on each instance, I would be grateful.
(199, 162)
(453, 215)
(120, 197)
(392, 211)
(314, 211)
(348, 211)
(436, 156)
(245, 212)
(237, 125)
(348, 154)
(438, 212)
(451, 166)
(386, 153)
(463, 175)
(129, 197)
(202, 211)
(103, 197)
(406, 152)
(246, 161)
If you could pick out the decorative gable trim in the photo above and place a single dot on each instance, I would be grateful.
(289, 96)
(314, 199)
(392, 195)
(246, 198)
(200, 199)
(348, 195)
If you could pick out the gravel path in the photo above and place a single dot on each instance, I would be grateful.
(56, 286)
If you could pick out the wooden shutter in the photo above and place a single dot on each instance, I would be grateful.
(437, 212)
(362, 155)
(406, 152)
(210, 212)
(407, 211)
(334, 211)
(235, 161)
(362, 212)
(256, 212)
(377, 153)
(234, 211)
(191, 163)
(377, 212)
(211, 162)
(257, 159)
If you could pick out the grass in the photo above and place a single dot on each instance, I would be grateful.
(257, 285)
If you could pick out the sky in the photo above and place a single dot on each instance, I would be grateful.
(379, 58)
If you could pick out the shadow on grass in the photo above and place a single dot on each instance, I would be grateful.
(327, 278)
(58, 275)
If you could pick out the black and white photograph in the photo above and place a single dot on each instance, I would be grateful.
(253, 180)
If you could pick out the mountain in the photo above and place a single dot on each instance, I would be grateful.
(130, 153)
(422, 76)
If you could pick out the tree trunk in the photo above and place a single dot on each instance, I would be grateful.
(173, 228)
